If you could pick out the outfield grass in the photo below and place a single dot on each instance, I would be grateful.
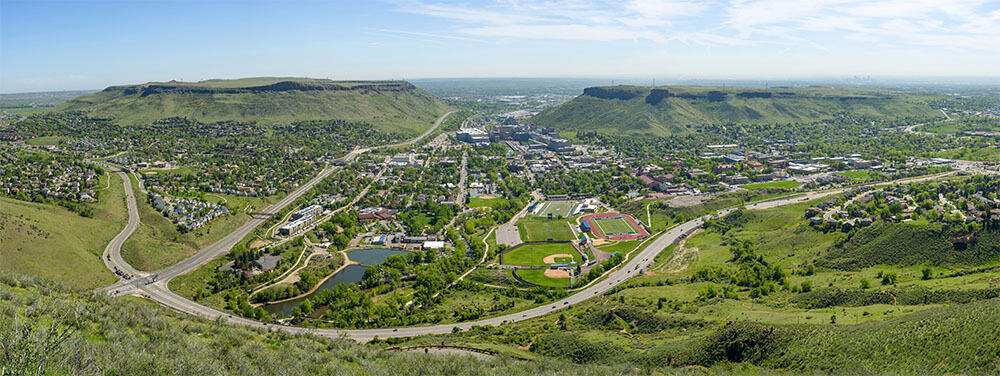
(537, 276)
(534, 254)
(783, 184)
(157, 244)
(543, 229)
(55, 243)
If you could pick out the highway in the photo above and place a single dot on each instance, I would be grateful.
(112, 253)
(154, 286)
(139, 285)
(643, 259)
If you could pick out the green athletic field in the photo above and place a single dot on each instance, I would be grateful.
(534, 230)
(537, 276)
(612, 226)
(556, 208)
(534, 254)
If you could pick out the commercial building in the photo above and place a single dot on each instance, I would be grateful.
(295, 225)
(311, 209)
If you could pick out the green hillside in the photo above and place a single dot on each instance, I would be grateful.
(392, 106)
(667, 110)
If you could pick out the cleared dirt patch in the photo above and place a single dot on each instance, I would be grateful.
(551, 259)
(684, 201)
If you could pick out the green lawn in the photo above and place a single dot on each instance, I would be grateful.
(534, 254)
(620, 247)
(46, 140)
(55, 243)
(477, 202)
(783, 184)
(861, 175)
(537, 276)
(544, 229)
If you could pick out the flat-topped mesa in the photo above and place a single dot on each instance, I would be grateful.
(171, 87)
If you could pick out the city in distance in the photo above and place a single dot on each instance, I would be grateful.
(542, 216)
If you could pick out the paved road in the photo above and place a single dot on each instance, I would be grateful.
(112, 253)
(642, 260)
(221, 247)
(155, 286)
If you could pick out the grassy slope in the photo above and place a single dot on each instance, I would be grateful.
(405, 112)
(157, 243)
(673, 115)
(131, 336)
(50, 241)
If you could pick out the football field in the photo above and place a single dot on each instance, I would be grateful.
(556, 208)
(613, 226)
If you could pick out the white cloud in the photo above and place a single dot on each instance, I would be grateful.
(952, 24)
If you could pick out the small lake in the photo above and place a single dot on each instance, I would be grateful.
(373, 256)
(350, 274)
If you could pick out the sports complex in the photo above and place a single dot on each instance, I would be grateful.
(555, 209)
(613, 226)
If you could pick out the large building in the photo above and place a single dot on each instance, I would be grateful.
(295, 225)
(311, 209)
(473, 136)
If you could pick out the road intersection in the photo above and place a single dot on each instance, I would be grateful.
(154, 285)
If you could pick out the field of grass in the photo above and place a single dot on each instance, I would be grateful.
(533, 230)
(477, 202)
(537, 276)
(613, 226)
(636, 110)
(46, 140)
(157, 243)
(534, 254)
(620, 247)
(987, 153)
(55, 243)
(783, 184)
(556, 209)
(861, 175)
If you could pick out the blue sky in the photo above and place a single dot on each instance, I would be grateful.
(47, 45)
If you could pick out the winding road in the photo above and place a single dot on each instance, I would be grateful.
(154, 285)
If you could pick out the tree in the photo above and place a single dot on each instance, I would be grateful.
(806, 286)
(865, 284)
(889, 278)
(925, 274)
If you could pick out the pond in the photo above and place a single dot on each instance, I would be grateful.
(350, 274)
(373, 256)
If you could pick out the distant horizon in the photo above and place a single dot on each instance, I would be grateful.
(971, 81)
(87, 44)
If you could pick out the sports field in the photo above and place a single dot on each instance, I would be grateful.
(538, 277)
(613, 226)
(535, 254)
(535, 230)
(556, 208)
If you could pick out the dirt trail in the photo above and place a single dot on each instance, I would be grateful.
(682, 256)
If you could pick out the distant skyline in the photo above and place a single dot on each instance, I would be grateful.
(72, 45)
